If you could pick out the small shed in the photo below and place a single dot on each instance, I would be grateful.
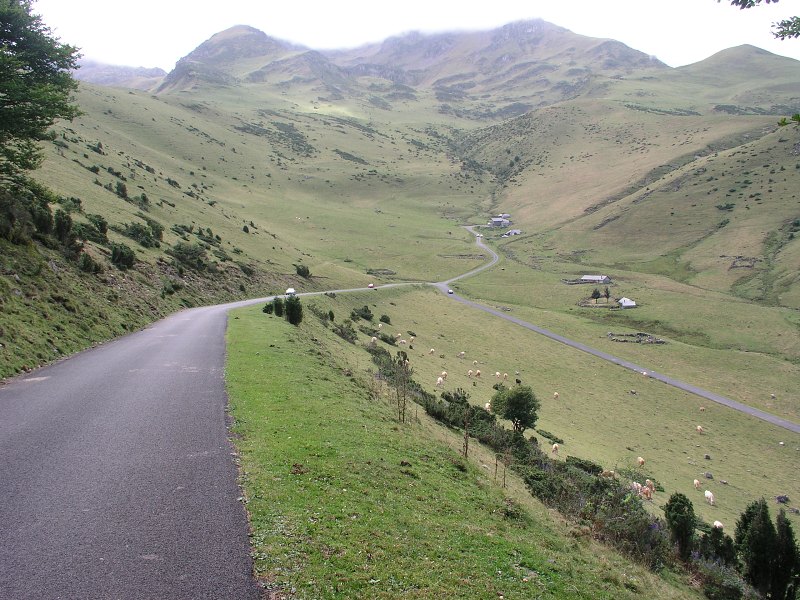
(626, 303)
(595, 279)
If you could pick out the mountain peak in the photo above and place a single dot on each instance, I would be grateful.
(237, 42)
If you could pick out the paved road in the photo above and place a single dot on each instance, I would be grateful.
(760, 414)
(117, 478)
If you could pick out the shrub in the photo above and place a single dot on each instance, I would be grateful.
(362, 313)
(293, 310)
(681, 520)
(346, 331)
(88, 265)
(385, 319)
(584, 465)
(269, 308)
(302, 271)
(122, 256)
(277, 305)
(190, 255)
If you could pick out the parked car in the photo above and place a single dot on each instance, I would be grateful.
(449, 291)
(371, 286)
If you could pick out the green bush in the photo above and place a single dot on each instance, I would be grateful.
(293, 310)
(361, 313)
(122, 256)
(88, 265)
(385, 319)
(190, 255)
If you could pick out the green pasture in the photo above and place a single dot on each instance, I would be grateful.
(346, 502)
(722, 343)
(595, 413)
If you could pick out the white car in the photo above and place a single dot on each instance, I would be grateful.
(449, 291)
(371, 286)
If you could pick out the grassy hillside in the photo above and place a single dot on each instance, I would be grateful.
(346, 502)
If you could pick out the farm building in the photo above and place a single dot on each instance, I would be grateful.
(595, 279)
(626, 303)
(499, 222)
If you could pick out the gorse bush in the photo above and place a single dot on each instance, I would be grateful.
(122, 256)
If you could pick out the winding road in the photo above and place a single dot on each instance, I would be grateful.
(117, 476)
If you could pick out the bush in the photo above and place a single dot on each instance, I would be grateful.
(584, 465)
(302, 271)
(681, 520)
(122, 256)
(361, 313)
(192, 256)
(269, 308)
(346, 331)
(385, 319)
(277, 306)
(293, 310)
(88, 265)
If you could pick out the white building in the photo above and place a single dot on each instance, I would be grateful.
(626, 303)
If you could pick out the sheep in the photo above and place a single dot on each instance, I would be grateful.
(431, 351)
(636, 487)
(702, 409)
(411, 339)
(647, 493)
(380, 325)
(505, 376)
(555, 449)
(478, 373)
(650, 485)
(474, 363)
(469, 373)
(373, 341)
(640, 461)
(697, 484)
(700, 429)
(439, 382)
(488, 406)
(718, 525)
(444, 374)
(555, 395)
(709, 497)
(397, 336)
(402, 342)
(497, 374)
(461, 354)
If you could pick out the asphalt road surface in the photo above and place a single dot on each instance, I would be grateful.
(117, 479)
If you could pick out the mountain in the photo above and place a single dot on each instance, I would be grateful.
(138, 78)
(292, 156)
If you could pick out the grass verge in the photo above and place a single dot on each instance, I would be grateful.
(345, 502)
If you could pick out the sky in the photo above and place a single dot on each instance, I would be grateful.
(157, 33)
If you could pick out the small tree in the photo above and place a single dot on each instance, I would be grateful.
(595, 295)
(401, 379)
(606, 293)
(681, 521)
(277, 306)
(758, 549)
(518, 404)
(303, 271)
(122, 256)
(786, 574)
(293, 310)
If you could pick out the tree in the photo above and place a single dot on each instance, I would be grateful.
(787, 28)
(758, 549)
(606, 293)
(681, 521)
(277, 305)
(518, 404)
(596, 295)
(35, 86)
(293, 310)
(786, 574)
